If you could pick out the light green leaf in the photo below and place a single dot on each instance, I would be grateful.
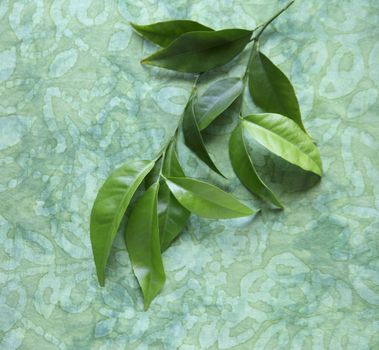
(205, 199)
(216, 99)
(193, 138)
(163, 33)
(244, 168)
(196, 52)
(285, 138)
(271, 90)
(109, 208)
(172, 215)
(142, 242)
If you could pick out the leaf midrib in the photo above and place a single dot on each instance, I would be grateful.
(151, 229)
(188, 51)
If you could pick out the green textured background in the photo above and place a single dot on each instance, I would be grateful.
(75, 103)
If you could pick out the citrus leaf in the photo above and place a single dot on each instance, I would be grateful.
(171, 165)
(142, 242)
(245, 170)
(285, 138)
(196, 52)
(153, 175)
(216, 99)
(271, 90)
(205, 199)
(172, 215)
(163, 33)
(109, 208)
(193, 138)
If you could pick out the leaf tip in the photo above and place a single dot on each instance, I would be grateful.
(319, 171)
(101, 281)
(146, 304)
(278, 205)
(247, 211)
(221, 174)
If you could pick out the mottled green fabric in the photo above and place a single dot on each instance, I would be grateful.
(75, 103)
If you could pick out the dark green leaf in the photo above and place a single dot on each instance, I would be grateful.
(142, 241)
(244, 168)
(163, 33)
(271, 90)
(216, 99)
(283, 137)
(171, 165)
(196, 52)
(171, 214)
(153, 175)
(205, 199)
(193, 138)
(109, 208)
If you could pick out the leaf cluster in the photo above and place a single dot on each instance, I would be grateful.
(160, 214)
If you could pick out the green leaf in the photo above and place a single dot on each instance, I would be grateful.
(216, 99)
(283, 137)
(109, 208)
(244, 168)
(153, 175)
(163, 33)
(193, 138)
(172, 215)
(271, 90)
(171, 165)
(142, 242)
(205, 199)
(196, 52)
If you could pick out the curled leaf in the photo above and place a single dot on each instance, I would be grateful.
(283, 137)
(193, 138)
(172, 215)
(245, 170)
(216, 99)
(142, 242)
(196, 52)
(109, 208)
(164, 33)
(206, 200)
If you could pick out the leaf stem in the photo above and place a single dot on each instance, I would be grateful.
(163, 149)
(255, 40)
(269, 21)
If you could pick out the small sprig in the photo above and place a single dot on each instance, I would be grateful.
(160, 214)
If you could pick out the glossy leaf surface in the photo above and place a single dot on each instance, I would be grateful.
(206, 200)
(172, 215)
(271, 90)
(216, 99)
(193, 138)
(283, 137)
(109, 208)
(142, 242)
(164, 33)
(196, 52)
(245, 170)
